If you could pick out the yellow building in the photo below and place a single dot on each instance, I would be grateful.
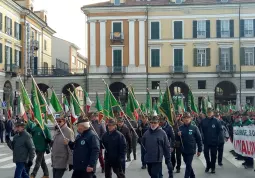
(194, 44)
(25, 43)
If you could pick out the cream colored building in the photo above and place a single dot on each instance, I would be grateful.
(65, 56)
(23, 33)
(194, 44)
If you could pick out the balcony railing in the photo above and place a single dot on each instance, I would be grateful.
(226, 68)
(59, 72)
(11, 68)
(117, 70)
(179, 69)
(117, 37)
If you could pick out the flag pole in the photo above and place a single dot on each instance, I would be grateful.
(83, 113)
(25, 91)
(136, 101)
(48, 107)
(53, 91)
(122, 111)
(174, 114)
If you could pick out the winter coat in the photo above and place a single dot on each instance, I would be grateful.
(99, 128)
(115, 147)
(211, 131)
(86, 148)
(41, 138)
(23, 147)
(126, 132)
(61, 155)
(170, 133)
(156, 145)
(190, 138)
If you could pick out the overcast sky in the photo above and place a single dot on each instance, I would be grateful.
(66, 18)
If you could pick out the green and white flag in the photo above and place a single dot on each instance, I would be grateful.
(54, 104)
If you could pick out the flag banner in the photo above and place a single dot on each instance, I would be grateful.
(66, 105)
(54, 103)
(88, 101)
(244, 141)
(36, 104)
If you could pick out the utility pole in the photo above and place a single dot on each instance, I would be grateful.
(240, 57)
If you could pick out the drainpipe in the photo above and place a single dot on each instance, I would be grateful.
(25, 46)
(147, 66)
(42, 47)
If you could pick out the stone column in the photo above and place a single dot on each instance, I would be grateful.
(142, 67)
(102, 67)
(131, 66)
(92, 67)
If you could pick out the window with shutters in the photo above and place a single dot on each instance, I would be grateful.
(155, 30)
(116, 27)
(17, 30)
(117, 60)
(178, 29)
(17, 58)
(225, 59)
(248, 28)
(249, 56)
(8, 28)
(201, 57)
(116, 2)
(225, 28)
(155, 57)
(201, 29)
(1, 21)
(8, 58)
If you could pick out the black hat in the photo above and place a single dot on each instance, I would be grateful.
(209, 110)
(81, 119)
(20, 123)
(111, 122)
(186, 115)
(120, 119)
(154, 119)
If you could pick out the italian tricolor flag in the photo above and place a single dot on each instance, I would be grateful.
(75, 108)
(21, 109)
(88, 101)
(66, 105)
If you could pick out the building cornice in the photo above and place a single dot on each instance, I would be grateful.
(152, 8)
(13, 5)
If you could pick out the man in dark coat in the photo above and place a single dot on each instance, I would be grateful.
(115, 150)
(143, 126)
(100, 130)
(86, 150)
(191, 137)
(211, 131)
(157, 145)
(23, 149)
(126, 132)
(132, 125)
(176, 157)
(171, 137)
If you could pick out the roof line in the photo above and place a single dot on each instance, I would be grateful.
(72, 44)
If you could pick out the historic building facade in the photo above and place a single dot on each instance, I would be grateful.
(192, 44)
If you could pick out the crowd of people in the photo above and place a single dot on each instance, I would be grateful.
(117, 138)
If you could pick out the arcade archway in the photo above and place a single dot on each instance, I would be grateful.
(78, 90)
(225, 93)
(44, 89)
(119, 91)
(179, 89)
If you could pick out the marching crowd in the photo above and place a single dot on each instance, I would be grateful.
(159, 142)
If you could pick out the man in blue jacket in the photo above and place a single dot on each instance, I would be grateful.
(86, 150)
(190, 137)
(211, 131)
(156, 145)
